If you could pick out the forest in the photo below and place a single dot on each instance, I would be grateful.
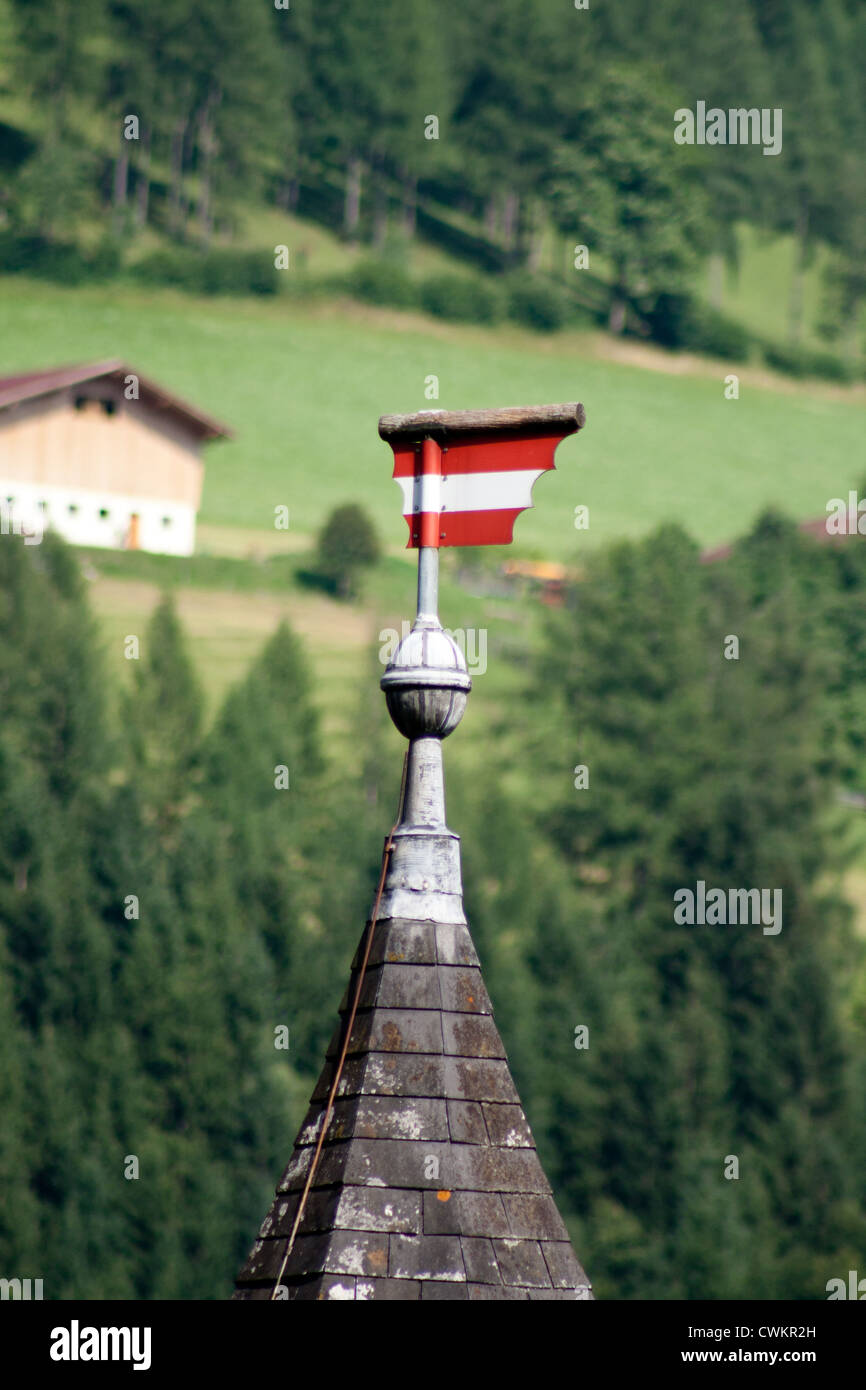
(176, 931)
(497, 132)
(177, 918)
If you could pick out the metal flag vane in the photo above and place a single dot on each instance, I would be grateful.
(465, 477)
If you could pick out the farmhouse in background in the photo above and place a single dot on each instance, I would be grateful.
(103, 456)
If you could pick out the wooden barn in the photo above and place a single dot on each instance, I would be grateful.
(102, 455)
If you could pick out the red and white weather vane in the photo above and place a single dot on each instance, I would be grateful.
(466, 475)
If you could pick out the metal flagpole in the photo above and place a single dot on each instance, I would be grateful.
(429, 492)
(428, 583)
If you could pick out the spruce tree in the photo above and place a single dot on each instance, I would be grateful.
(162, 719)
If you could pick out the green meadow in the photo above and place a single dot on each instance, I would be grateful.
(302, 383)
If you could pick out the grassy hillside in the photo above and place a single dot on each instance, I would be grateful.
(302, 386)
(757, 290)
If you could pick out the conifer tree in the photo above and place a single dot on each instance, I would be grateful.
(19, 1210)
(707, 768)
(263, 760)
(162, 718)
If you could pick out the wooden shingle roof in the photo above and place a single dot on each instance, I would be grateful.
(428, 1184)
(29, 386)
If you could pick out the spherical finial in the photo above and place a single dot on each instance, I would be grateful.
(426, 683)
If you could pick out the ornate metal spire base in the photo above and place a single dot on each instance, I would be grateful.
(426, 686)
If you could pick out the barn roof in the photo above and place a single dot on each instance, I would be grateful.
(27, 386)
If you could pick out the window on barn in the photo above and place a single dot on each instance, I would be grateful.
(109, 407)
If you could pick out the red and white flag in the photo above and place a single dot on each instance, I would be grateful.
(468, 486)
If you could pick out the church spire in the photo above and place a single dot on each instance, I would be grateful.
(415, 1174)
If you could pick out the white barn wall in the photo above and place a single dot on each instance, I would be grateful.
(165, 526)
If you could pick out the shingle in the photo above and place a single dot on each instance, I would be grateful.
(482, 1214)
(307, 1256)
(497, 1170)
(507, 1127)
(478, 1078)
(331, 1288)
(493, 1293)
(392, 1030)
(328, 1252)
(387, 1163)
(565, 1271)
(392, 1290)
(535, 1217)
(464, 1213)
(443, 1291)
(379, 1117)
(454, 945)
(326, 1288)
(521, 1262)
(557, 1295)
(480, 1260)
(410, 943)
(393, 1117)
(462, 990)
(353, 1069)
(278, 1221)
(466, 1122)
(264, 1262)
(440, 1214)
(356, 1208)
(458, 1078)
(427, 1257)
(396, 987)
(296, 1170)
(356, 1252)
(378, 1209)
(470, 1035)
(399, 1074)
(309, 1131)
